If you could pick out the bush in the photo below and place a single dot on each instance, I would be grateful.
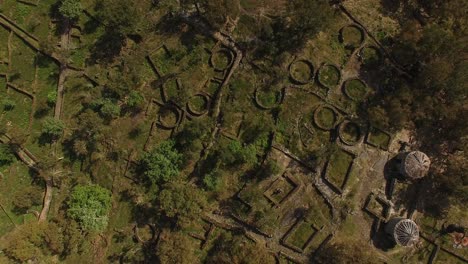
(236, 154)
(52, 98)
(53, 127)
(135, 99)
(70, 9)
(8, 104)
(89, 205)
(6, 155)
(161, 164)
(109, 109)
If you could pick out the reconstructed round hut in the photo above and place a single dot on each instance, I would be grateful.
(404, 231)
(415, 165)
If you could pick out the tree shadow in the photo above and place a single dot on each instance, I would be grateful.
(381, 239)
(107, 47)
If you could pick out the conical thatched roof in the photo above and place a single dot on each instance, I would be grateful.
(415, 165)
(405, 232)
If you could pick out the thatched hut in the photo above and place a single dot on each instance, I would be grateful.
(404, 232)
(415, 165)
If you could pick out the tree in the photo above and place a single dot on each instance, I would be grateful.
(6, 155)
(109, 109)
(135, 100)
(236, 249)
(89, 205)
(344, 253)
(236, 154)
(70, 9)
(182, 202)
(119, 17)
(176, 248)
(302, 20)
(27, 197)
(52, 98)
(216, 12)
(52, 128)
(8, 104)
(162, 164)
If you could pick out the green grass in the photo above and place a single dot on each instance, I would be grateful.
(280, 189)
(3, 89)
(338, 166)
(352, 36)
(268, 98)
(221, 59)
(329, 75)
(20, 114)
(197, 103)
(379, 138)
(301, 71)
(370, 55)
(22, 65)
(162, 61)
(301, 234)
(16, 177)
(325, 117)
(444, 257)
(356, 89)
(351, 132)
(4, 34)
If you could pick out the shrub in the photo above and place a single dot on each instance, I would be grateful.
(161, 164)
(109, 109)
(53, 127)
(52, 98)
(70, 9)
(6, 155)
(135, 99)
(89, 205)
(8, 104)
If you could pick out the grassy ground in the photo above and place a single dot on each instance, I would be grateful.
(338, 167)
(379, 138)
(329, 76)
(355, 89)
(301, 234)
(16, 177)
(325, 117)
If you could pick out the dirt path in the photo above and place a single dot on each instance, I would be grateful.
(64, 44)
(227, 41)
(272, 244)
(46, 201)
(64, 41)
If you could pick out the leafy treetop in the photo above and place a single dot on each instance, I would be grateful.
(89, 205)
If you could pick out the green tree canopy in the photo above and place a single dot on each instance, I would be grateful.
(176, 247)
(71, 9)
(89, 205)
(236, 249)
(53, 127)
(161, 164)
(6, 155)
(182, 202)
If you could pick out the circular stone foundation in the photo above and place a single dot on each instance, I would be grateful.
(329, 75)
(144, 233)
(351, 36)
(355, 89)
(370, 55)
(349, 133)
(168, 117)
(221, 59)
(198, 104)
(301, 71)
(325, 117)
(268, 99)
